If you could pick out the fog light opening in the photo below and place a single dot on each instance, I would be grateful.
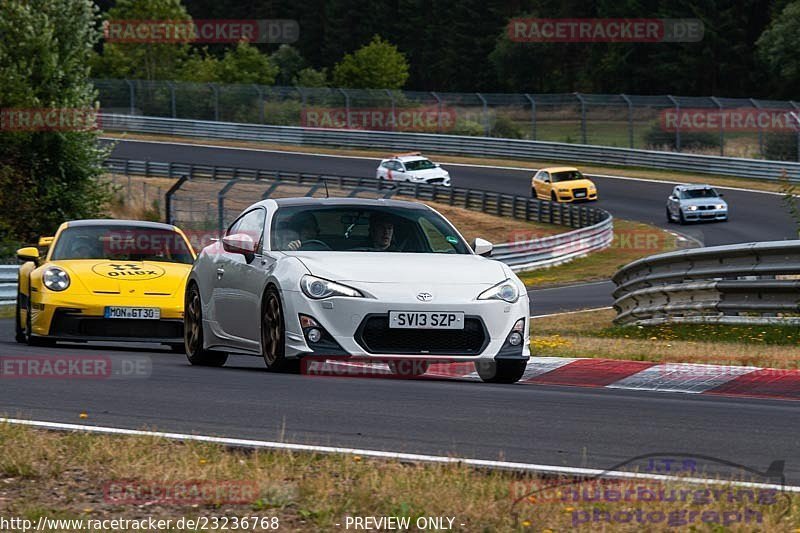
(313, 335)
(515, 339)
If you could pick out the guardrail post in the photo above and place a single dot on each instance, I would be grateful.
(438, 112)
(215, 90)
(485, 114)
(630, 119)
(168, 199)
(760, 129)
(533, 115)
(260, 92)
(583, 117)
(528, 209)
(221, 205)
(131, 96)
(346, 106)
(394, 116)
(172, 99)
(677, 122)
(721, 129)
(452, 196)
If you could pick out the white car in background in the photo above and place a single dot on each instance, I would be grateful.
(412, 167)
(358, 279)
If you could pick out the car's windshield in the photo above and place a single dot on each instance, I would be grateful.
(690, 194)
(419, 164)
(356, 228)
(570, 175)
(122, 243)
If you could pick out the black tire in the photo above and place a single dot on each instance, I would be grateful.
(534, 194)
(193, 332)
(408, 367)
(19, 335)
(504, 371)
(669, 217)
(273, 334)
(553, 197)
(681, 219)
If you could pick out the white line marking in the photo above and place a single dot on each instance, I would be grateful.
(413, 457)
(573, 312)
(378, 159)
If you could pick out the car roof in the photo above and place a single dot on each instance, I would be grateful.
(408, 156)
(112, 222)
(332, 202)
(559, 169)
(694, 187)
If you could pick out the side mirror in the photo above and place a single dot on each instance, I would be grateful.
(437, 165)
(673, 197)
(546, 180)
(30, 253)
(482, 247)
(239, 243)
(720, 194)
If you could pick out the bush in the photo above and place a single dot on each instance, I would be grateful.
(780, 146)
(656, 137)
(506, 128)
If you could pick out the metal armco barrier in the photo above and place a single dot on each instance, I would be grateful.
(594, 227)
(8, 284)
(735, 284)
(456, 145)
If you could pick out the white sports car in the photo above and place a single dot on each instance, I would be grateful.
(412, 167)
(359, 279)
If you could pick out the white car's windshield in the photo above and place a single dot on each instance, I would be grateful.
(566, 176)
(691, 194)
(419, 164)
(363, 229)
(122, 243)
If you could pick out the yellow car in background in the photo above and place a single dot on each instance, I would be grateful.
(105, 280)
(562, 184)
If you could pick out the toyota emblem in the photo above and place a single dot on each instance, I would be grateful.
(424, 297)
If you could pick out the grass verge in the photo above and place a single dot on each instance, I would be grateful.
(632, 240)
(593, 334)
(632, 172)
(78, 476)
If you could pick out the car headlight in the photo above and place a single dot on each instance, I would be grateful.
(506, 290)
(691, 208)
(55, 279)
(318, 288)
(720, 206)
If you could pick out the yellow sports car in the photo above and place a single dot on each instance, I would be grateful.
(562, 184)
(107, 280)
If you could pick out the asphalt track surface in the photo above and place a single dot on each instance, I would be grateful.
(754, 216)
(550, 425)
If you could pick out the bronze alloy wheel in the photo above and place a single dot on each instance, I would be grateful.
(273, 334)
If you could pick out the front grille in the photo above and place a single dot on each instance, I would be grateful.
(375, 335)
(436, 181)
(66, 324)
(706, 207)
(576, 192)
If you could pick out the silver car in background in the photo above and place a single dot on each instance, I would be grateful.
(695, 203)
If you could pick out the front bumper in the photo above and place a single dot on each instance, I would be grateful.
(576, 195)
(70, 317)
(358, 328)
(704, 214)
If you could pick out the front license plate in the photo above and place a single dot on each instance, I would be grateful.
(426, 320)
(144, 313)
(580, 195)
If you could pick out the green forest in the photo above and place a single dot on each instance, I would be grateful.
(749, 47)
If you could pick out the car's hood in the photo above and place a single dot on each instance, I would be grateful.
(574, 184)
(703, 201)
(102, 275)
(428, 172)
(402, 268)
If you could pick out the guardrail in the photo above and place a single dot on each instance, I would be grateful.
(735, 284)
(8, 284)
(594, 227)
(456, 145)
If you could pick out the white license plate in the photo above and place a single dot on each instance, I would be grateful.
(144, 313)
(426, 320)
(580, 195)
